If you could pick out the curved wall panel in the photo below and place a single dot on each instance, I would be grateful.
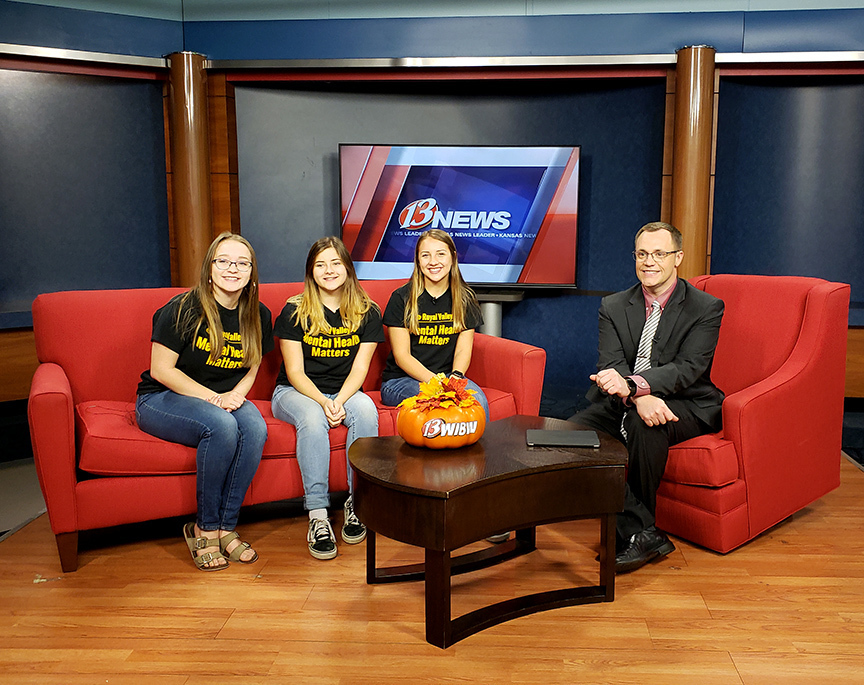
(790, 172)
(82, 187)
(288, 168)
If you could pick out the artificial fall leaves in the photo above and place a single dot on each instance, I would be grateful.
(441, 392)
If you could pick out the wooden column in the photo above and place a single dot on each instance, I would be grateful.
(190, 164)
(691, 169)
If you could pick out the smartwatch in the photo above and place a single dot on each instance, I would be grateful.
(456, 373)
(632, 385)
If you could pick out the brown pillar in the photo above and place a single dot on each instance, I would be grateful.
(691, 154)
(190, 163)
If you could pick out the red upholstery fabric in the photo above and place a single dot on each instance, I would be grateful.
(97, 469)
(781, 361)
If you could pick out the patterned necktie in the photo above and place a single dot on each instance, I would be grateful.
(643, 353)
(646, 342)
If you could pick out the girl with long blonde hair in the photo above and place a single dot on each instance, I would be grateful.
(327, 335)
(431, 321)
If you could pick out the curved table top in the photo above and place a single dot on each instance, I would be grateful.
(501, 453)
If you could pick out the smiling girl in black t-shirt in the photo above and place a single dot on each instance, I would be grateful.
(431, 321)
(207, 347)
(328, 335)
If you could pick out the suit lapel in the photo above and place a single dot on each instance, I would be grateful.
(635, 313)
(667, 322)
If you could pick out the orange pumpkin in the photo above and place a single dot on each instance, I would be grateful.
(442, 427)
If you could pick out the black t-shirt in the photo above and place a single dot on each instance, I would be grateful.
(194, 356)
(328, 357)
(435, 345)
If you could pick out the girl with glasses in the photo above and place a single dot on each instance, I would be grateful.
(207, 345)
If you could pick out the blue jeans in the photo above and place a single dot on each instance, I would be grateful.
(313, 437)
(229, 448)
(397, 389)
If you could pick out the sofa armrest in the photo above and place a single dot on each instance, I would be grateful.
(50, 413)
(787, 428)
(511, 366)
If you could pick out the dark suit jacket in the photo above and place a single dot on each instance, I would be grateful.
(683, 346)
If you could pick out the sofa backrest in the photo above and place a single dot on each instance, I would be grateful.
(101, 338)
(761, 325)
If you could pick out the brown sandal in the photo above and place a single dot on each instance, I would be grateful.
(196, 544)
(226, 540)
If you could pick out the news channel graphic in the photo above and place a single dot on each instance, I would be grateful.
(511, 211)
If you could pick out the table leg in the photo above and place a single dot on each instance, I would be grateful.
(370, 556)
(439, 628)
(607, 556)
(527, 537)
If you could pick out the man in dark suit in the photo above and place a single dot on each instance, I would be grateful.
(653, 390)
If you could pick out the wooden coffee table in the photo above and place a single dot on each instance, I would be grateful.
(442, 500)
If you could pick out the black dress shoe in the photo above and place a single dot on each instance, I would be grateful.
(644, 546)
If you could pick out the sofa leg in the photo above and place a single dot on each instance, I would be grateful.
(67, 547)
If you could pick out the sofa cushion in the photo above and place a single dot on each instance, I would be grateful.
(111, 444)
(707, 460)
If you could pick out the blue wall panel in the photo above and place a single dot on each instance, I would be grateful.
(70, 29)
(790, 169)
(82, 187)
(814, 30)
(465, 36)
(578, 34)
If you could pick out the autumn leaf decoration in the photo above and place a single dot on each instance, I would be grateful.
(441, 392)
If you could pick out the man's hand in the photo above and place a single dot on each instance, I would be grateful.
(611, 382)
(653, 410)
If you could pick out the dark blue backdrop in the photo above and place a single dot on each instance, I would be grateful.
(288, 141)
(790, 166)
(82, 187)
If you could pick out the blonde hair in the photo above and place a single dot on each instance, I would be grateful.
(198, 306)
(463, 296)
(355, 302)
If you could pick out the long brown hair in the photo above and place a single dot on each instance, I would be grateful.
(461, 293)
(355, 302)
(198, 307)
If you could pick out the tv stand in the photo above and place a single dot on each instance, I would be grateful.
(490, 307)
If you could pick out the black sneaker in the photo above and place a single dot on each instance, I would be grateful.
(322, 541)
(352, 530)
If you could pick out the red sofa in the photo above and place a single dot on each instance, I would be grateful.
(97, 469)
(781, 361)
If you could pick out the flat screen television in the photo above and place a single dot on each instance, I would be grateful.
(511, 211)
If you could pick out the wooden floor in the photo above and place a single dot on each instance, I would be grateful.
(787, 608)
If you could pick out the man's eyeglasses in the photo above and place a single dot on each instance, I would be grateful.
(658, 256)
(242, 265)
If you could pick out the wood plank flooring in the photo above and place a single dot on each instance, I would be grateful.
(786, 608)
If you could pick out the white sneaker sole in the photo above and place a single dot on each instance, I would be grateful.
(355, 540)
(324, 556)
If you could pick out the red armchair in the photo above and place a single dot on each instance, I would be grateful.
(780, 360)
